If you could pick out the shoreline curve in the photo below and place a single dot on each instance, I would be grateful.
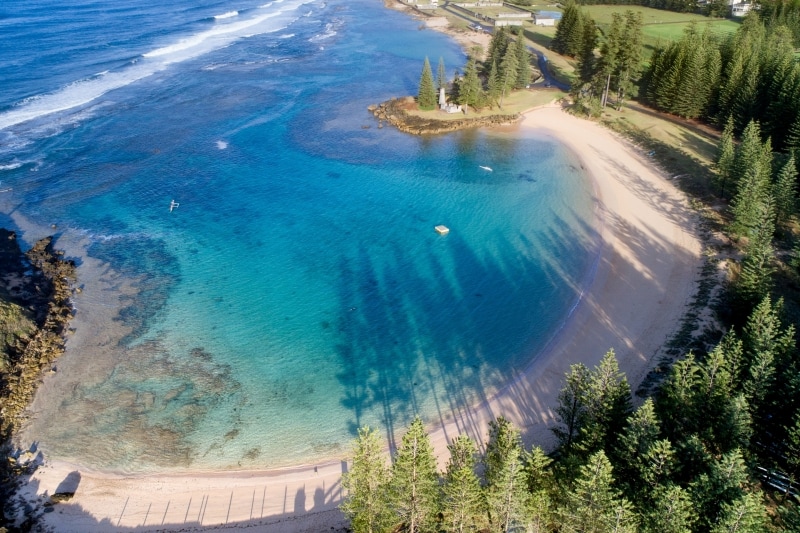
(646, 273)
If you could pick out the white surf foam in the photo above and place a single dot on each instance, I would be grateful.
(73, 95)
(228, 15)
(329, 32)
(82, 92)
(10, 166)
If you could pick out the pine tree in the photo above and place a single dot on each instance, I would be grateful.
(784, 190)
(676, 402)
(523, 77)
(537, 469)
(569, 30)
(366, 486)
(441, 75)
(594, 506)
(504, 440)
(725, 157)
(493, 84)
(414, 485)
(665, 77)
(768, 352)
(470, 92)
(426, 97)
(631, 453)
(736, 426)
(571, 409)
(630, 56)
(755, 278)
(671, 512)
(586, 58)
(609, 58)
(508, 73)
(779, 91)
(658, 463)
(540, 483)
(608, 404)
(752, 168)
(463, 501)
(505, 476)
(722, 485)
(498, 46)
(506, 494)
(746, 514)
(712, 399)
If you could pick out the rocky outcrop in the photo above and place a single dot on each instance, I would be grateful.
(44, 292)
(35, 309)
(395, 112)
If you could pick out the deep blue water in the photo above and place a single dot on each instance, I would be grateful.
(300, 290)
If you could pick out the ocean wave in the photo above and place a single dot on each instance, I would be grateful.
(75, 94)
(286, 36)
(214, 38)
(228, 15)
(82, 92)
(11, 166)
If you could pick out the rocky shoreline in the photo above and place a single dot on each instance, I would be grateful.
(35, 309)
(395, 112)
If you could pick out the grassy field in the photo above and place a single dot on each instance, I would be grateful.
(661, 27)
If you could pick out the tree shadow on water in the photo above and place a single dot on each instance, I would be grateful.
(435, 333)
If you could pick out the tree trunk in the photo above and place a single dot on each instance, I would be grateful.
(604, 99)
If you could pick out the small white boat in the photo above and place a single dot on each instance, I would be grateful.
(488, 169)
(172, 205)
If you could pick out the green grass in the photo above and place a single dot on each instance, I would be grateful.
(661, 27)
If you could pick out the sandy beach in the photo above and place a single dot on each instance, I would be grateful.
(644, 278)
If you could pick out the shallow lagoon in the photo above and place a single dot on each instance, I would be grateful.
(300, 290)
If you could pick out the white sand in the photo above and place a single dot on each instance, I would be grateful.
(645, 276)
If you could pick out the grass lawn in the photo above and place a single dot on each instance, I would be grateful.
(661, 27)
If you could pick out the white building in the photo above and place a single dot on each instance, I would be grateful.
(741, 9)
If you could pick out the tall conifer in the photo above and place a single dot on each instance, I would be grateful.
(414, 492)
(725, 158)
(426, 97)
(785, 191)
(441, 75)
(366, 485)
(594, 506)
(463, 501)
(523, 77)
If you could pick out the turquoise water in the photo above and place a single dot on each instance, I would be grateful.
(300, 290)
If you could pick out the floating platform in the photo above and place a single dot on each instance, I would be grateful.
(442, 230)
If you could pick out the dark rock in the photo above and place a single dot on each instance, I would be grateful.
(59, 497)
